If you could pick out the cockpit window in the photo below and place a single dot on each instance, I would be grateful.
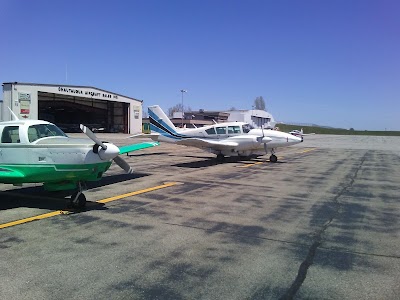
(10, 134)
(246, 128)
(211, 130)
(233, 129)
(221, 130)
(39, 131)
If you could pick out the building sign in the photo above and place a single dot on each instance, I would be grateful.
(24, 100)
(87, 93)
(136, 112)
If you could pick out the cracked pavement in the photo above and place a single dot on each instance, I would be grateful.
(322, 224)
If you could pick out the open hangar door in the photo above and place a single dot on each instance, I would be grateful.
(68, 112)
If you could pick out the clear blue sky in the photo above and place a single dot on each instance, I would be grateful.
(334, 63)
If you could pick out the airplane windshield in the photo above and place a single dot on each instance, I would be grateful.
(39, 131)
(246, 128)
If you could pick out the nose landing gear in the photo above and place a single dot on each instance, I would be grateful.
(78, 199)
(273, 158)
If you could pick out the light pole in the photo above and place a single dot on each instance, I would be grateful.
(182, 91)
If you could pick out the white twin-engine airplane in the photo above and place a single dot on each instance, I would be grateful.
(223, 139)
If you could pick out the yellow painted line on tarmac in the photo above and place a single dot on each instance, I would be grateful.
(251, 164)
(308, 150)
(137, 192)
(39, 217)
(65, 212)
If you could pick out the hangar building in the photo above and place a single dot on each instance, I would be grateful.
(255, 117)
(67, 106)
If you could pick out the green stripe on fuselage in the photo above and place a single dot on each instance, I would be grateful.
(51, 173)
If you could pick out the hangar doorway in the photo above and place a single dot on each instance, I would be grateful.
(68, 112)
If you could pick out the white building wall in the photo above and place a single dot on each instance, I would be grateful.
(255, 117)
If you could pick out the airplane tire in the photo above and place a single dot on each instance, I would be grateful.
(80, 202)
(273, 158)
(220, 158)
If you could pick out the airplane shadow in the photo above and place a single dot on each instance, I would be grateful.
(211, 162)
(111, 179)
(197, 164)
(37, 197)
(146, 154)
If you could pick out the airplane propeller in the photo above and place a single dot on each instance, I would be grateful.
(92, 136)
(112, 152)
(123, 164)
(265, 144)
(264, 139)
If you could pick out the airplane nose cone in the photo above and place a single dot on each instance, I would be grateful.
(108, 154)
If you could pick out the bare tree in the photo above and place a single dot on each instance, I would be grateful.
(259, 103)
(177, 108)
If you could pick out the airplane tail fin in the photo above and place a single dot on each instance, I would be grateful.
(159, 122)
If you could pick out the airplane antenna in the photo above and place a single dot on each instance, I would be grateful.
(13, 114)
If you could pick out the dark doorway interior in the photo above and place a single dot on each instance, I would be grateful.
(68, 112)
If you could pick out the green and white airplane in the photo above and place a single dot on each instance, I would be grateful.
(34, 151)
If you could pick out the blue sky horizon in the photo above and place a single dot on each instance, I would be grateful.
(331, 63)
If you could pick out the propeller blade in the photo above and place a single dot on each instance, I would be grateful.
(123, 164)
(92, 136)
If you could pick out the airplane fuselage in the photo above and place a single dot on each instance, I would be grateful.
(28, 155)
(51, 162)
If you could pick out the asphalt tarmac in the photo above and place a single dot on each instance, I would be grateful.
(321, 223)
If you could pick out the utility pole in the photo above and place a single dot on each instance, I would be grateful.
(182, 91)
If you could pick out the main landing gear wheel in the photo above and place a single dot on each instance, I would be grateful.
(78, 200)
(273, 158)
(220, 157)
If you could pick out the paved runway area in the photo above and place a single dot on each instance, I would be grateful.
(322, 223)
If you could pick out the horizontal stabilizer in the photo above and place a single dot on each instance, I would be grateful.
(135, 147)
(154, 135)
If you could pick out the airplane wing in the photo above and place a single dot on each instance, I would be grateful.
(135, 147)
(202, 143)
(149, 135)
(10, 173)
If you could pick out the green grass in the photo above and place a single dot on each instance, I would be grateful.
(322, 130)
